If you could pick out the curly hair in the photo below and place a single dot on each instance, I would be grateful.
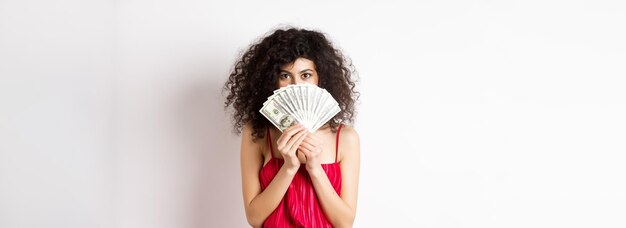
(254, 76)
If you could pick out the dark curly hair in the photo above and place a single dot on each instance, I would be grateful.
(254, 76)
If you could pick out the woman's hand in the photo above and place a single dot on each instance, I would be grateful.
(288, 144)
(311, 147)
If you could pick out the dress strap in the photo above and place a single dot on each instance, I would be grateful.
(337, 145)
(269, 142)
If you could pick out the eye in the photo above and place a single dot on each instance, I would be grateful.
(283, 76)
(306, 75)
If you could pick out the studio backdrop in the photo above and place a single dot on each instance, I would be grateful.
(471, 114)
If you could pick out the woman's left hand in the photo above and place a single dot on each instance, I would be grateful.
(311, 147)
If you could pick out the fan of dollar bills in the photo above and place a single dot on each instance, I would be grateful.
(306, 104)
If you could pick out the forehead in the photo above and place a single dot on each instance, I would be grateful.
(298, 65)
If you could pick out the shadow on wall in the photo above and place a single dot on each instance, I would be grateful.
(213, 150)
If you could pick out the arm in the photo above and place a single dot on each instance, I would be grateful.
(340, 211)
(260, 204)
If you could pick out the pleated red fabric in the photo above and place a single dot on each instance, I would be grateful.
(300, 206)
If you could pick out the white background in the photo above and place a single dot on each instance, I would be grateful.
(472, 114)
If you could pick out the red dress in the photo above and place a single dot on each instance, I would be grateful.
(299, 207)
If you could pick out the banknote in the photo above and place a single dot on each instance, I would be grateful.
(306, 104)
(277, 116)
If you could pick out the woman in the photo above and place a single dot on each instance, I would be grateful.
(295, 178)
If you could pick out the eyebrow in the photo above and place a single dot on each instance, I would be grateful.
(302, 71)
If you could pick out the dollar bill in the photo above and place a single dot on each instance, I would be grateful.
(306, 104)
(277, 116)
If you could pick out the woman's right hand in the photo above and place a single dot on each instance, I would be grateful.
(288, 144)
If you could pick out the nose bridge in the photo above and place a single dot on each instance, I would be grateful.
(297, 80)
(292, 81)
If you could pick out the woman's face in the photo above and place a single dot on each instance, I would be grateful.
(299, 71)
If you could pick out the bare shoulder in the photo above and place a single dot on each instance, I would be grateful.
(349, 134)
(349, 142)
(247, 139)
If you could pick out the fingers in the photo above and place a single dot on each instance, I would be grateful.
(306, 145)
(292, 130)
(295, 142)
(287, 135)
(299, 140)
(312, 142)
(301, 155)
(307, 153)
(309, 150)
